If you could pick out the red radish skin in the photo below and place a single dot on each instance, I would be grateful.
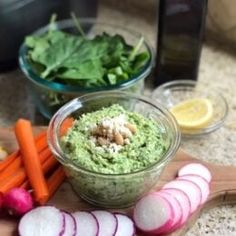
(1, 200)
(196, 169)
(178, 212)
(184, 201)
(87, 224)
(70, 224)
(17, 201)
(107, 223)
(125, 225)
(190, 188)
(42, 221)
(153, 214)
(201, 183)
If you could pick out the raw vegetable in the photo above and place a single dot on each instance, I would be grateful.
(201, 183)
(190, 188)
(87, 224)
(107, 223)
(17, 201)
(183, 200)
(42, 221)
(54, 182)
(153, 214)
(70, 224)
(8, 160)
(1, 200)
(196, 169)
(25, 138)
(125, 225)
(75, 59)
(177, 210)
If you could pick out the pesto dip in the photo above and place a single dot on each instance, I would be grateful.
(113, 140)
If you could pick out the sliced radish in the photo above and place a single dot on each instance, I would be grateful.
(153, 214)
(201, 183)
(107, 223)
(196, 169)
(42, 221)
(86, 224)
(125, 225)
(70, 224)
(178, 212)
(184, 201)
(190, 188)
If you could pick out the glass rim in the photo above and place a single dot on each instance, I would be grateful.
(76, 103)
(59, 87)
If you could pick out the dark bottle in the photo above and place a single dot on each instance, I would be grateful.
(179, 41)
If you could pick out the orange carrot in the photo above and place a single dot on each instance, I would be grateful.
(66, 124)
(30, 157)
(41, 138)
(13, 181)
(48, 165)
(54, 182)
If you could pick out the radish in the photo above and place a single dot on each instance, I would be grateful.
(86, 223)
(125, 225)
(190, 188)
(70, 224)
(17, 201)
(196, 169)
(201, 183)
(42, 221)
(184, 202)
(1, 200)
(178, 212)
(107, 222)
(153, 214)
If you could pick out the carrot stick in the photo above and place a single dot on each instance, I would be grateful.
(41, 138)
(9, 160)
(48, 165)
(30, 157)
(13, 181)
(54, 182)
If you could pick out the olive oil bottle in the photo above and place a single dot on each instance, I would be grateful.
(181, 27)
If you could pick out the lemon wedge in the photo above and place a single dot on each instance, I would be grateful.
(193, 113)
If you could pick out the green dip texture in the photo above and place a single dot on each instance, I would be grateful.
(143, 147)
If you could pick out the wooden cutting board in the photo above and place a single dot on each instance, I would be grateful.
(223, 187)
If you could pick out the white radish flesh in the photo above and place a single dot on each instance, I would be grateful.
(125, 225)
(184, 202)
(86, 224)
(196, 169)
(201, 183)
(153, 214)
(107, 223)
(190, 188)
(178, 212)
(42, 221)
(70, 225)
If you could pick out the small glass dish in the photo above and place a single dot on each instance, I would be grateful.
(113, 190)
(174, 92)
(49, 96)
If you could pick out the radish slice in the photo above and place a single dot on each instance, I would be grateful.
(107, 223)
(190, 188)
(153, 214)
(201, 183)
(184, 201)
(125, 225)
(42, 221)
(178, 212)
(196, 169)
(86, 223)
(70, 224)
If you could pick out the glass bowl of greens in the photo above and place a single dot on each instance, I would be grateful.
(69, 58)
(86, 136)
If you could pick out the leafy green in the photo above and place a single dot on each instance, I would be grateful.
(74, 59)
